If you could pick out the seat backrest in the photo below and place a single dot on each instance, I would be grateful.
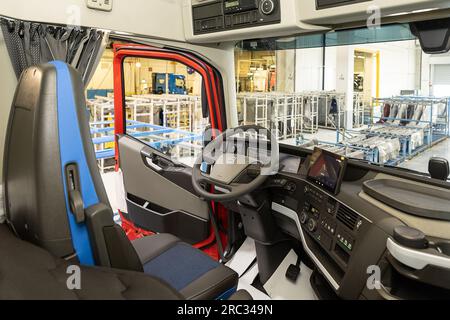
(54, 194)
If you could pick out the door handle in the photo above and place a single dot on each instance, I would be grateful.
(153, 165)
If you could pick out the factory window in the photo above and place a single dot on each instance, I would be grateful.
(367, 93)
(164, 106)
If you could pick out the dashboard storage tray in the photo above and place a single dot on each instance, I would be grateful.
(415, 199)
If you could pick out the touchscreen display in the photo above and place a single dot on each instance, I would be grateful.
(327, 170)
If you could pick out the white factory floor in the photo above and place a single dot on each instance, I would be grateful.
(420, 162)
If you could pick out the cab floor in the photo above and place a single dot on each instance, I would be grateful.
(278, 287)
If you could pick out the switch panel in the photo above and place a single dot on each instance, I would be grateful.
(103, 5)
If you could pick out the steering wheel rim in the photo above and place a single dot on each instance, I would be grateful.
(234, 190)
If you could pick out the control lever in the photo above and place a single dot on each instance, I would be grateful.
(152, 165)
(74, 192)
(410, 237)
(293, 271)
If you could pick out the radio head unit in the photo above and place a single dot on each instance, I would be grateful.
(223, 15)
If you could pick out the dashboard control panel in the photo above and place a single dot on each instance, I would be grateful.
(222, 15)
(333, 225)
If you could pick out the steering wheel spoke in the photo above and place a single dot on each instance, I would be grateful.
(234, 190)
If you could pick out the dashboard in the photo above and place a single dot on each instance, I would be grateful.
(343, 233)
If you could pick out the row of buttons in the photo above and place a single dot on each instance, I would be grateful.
(289, 186)
(241, 18)
(346, 243)
(315, 195)
(329, 226)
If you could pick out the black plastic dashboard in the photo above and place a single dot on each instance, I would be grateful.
(334, 235)
(343, 234)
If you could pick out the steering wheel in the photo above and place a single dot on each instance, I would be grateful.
(224, 174)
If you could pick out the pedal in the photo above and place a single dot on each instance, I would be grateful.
(292, 273)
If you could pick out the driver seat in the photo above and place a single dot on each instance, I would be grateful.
(56, 198)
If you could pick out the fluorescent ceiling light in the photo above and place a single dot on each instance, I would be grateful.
(411, 12)
(424, 10)
(284, 40)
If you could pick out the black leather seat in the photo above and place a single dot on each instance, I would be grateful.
(57, 200)
(30, 272)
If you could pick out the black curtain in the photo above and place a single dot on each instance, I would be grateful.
(30, 43)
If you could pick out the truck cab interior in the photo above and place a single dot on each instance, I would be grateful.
(225, 149)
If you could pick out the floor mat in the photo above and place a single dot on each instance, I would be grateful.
(280, 288)
(245, 283)
(244, 257)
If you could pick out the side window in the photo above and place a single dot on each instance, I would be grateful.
(164, 106)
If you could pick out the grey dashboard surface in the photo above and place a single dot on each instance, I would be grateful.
(420, 200)
(289, 163)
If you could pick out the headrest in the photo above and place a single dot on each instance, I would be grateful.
(48, 132)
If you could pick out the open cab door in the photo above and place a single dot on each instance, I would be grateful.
(161, 112)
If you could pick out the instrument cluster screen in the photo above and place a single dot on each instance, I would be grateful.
(327, 170)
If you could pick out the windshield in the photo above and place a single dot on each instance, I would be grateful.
(369, 94)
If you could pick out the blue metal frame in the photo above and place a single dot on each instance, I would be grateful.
(132, 124)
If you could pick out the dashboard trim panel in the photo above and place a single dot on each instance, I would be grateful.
(416, 259)
(334, 198)
(289, 213)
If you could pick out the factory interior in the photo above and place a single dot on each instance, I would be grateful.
(301, 88)
(105, 122)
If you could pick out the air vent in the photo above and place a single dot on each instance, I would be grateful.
(347, 216)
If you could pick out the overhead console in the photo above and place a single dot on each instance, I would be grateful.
(222, 15)
(213, 21)
(323, 4)
(340, 13)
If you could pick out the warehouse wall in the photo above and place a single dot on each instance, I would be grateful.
(308, 69)
(286, 70)
(330, 68)
(398, 68)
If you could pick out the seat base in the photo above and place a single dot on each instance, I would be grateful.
(188, 270)
(32, 273)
